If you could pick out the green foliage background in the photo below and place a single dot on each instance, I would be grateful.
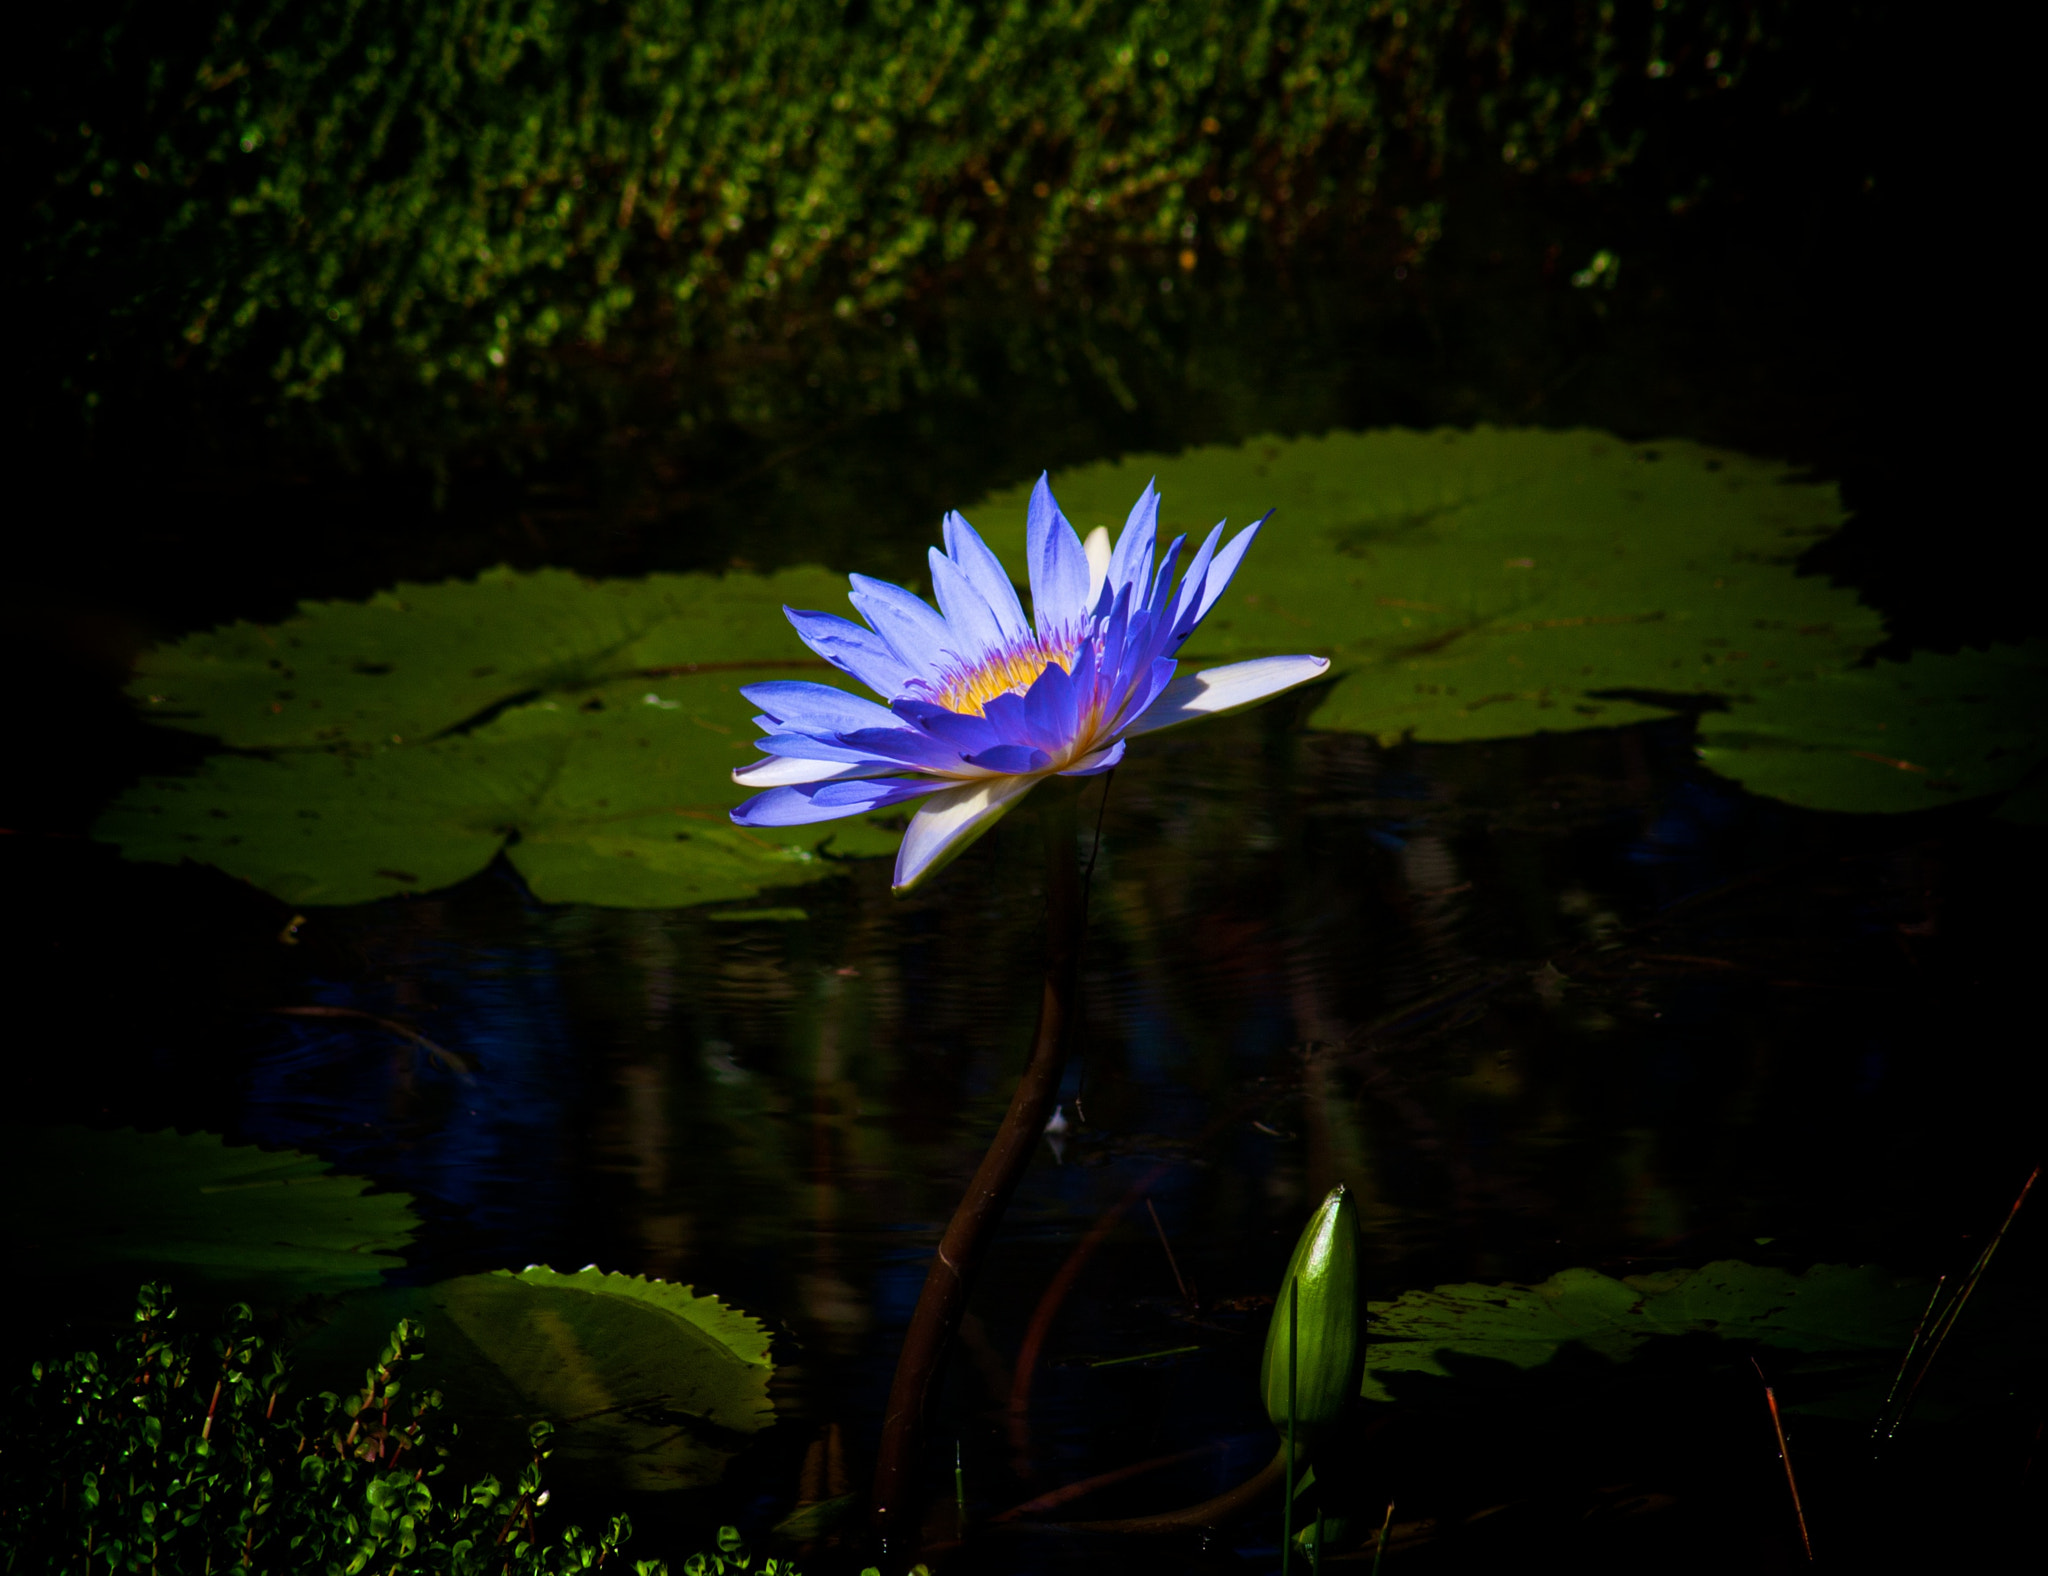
(176, 1455)
(460, 194)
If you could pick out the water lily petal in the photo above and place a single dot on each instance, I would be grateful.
(1144, 641)
(1096, 545)
(980, 564)
(799, 806)
(874, 794)
(1098, 762)
(1215, 690)
(1015, 759)
(1141, 696)
(852, 649)
(1162, 583)
(913, 628)
(816, 708)
(780, 771)
(910, 747)
(1009, 717)
(1049, 706)
(807, 747)
(1059, 567)
(948, 822)
(1224, 565)
(1192, 582)
(1110, 642)
(963, 732)
(972, 621)
(1132, 562)
(1085, 676)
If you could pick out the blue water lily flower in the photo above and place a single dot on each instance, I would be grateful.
(981, 705)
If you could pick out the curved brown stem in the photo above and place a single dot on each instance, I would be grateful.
(1210, 1513)
(1049, 1302)
(947, 1283)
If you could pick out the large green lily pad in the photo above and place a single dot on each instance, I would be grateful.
(1828, 1309)
(1893, 736)
(262, 1226)
(613, 795)
(1466, 585)
(1488, 583)
(416, 661)
(651, 1385)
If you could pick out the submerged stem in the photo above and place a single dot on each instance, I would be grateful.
(951, 1275)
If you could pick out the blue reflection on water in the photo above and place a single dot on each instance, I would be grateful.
(488, 1138)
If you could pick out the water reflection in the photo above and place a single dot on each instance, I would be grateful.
(1538, 1004)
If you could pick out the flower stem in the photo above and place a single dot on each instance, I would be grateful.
(951, 1276)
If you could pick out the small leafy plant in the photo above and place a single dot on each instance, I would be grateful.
(176, 1455)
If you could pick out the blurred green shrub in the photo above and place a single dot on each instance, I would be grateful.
(459, 192)
(180, 1456)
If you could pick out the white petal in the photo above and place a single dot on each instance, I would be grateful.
(947, 822)
(1204, 694)
(785, 771)
(1097, 547)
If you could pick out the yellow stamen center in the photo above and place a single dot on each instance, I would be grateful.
(1011, 673)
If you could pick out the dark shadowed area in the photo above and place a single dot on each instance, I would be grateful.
(1556, 1001)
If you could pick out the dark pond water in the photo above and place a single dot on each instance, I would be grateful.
(1539, 1003)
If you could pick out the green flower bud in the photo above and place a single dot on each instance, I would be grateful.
(1329, 1322)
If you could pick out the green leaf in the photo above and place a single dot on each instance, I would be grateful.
(266, 1226)
(414, 662)
(616, 795)
(590, 726)
(1894, 736)
(650, 1384)
(1830, 1308)
(1488, 583)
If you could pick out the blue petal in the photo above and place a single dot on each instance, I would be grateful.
(958, 729)
(799, 806)
(1191, 583)
(1083, 680)
(910, 625)
(1059, 566)
(851, 649)
(948, 822)
(972, 621)
(966, 548)
(1146, 691)
(1009, 718)
(1161, 592)
(1113, 628)
(1213, 690)
(909, 747)
(780, 771)
(1123, 665)
(1014, 759)
(816, 708)
(1131, 563)
(874, 793)
(1049, 706)
(1101, 761)
(1224, 566)
(803, 747)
